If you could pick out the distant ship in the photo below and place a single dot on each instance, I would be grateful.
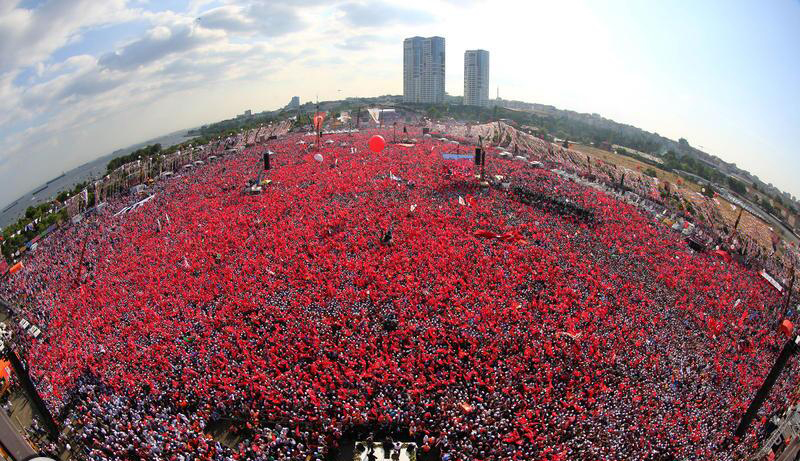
(56, 179)
(10, 206)
(40, 189)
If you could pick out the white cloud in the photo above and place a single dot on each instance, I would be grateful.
(71, 98)
(28, 36)
(267, 18)
(158, 43)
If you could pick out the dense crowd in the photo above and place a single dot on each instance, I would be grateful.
(391, 291)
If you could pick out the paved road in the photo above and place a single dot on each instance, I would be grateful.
(12, 441)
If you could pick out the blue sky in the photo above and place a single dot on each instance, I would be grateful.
(80, 78)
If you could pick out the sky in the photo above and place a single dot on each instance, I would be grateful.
(81, 78)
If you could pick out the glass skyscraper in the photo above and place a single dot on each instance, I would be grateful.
(423, 70)
(476, 78)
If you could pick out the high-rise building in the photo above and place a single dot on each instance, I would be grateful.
(294, 103)
(476, 78)
(423, 70)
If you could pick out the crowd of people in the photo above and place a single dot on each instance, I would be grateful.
(739, 232)
(484, 328)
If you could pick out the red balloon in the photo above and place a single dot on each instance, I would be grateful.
(786, 327)
(377, 143)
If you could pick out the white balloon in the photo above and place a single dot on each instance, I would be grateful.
(318, 157)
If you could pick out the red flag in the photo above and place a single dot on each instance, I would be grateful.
(484, 233)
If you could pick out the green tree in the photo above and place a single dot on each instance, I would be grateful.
(767, 206)
(737, 186)
(434, 112)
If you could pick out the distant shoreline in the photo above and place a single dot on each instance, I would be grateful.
(67, 180)
(56, 178)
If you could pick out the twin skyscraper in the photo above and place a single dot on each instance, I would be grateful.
(424, 71)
